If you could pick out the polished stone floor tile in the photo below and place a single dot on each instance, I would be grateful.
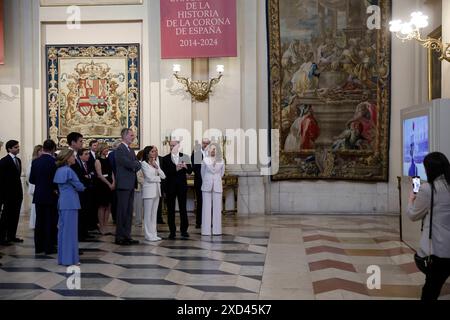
(221, 289)
(257, 257)
(160, 282)
(82, 293)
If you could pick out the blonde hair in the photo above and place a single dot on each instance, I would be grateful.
(101, 147)
(36, 151)
(63, 157)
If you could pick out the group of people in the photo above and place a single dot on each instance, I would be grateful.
(75, 190)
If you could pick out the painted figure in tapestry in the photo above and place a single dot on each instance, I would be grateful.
(333, 77)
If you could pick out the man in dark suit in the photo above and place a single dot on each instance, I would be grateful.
(85, 219)
(126, 167)
(75, 141)
(176, 166)
(159, 217)
(112, 161)
(196, 158)
(12, 193)
(93, 145)
(46, 199)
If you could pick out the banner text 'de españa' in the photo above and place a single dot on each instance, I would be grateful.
(198, 28)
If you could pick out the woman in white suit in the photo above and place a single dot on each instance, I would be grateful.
(213, 169)
(151, 191)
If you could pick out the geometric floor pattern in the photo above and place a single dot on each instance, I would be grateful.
(259, 257)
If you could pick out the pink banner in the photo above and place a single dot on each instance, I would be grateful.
(2, 40)
(198, 28)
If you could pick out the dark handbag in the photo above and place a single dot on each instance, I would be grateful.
(424, 263)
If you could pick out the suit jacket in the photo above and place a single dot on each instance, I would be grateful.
(163, 181)
(175, 180)
(151, 188)
(126, 167)
(10, 183)
(41, 175)
(82, 173)
(196, 160)
(112, 160)
(69, 185)
(91, 164)
(212, 175)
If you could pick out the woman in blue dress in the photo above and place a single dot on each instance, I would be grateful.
(68, 206)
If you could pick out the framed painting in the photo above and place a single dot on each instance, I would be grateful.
(94, 90)
(434, 68)
(330, 88)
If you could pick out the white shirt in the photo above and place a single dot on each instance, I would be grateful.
(12, 156)
(93, 154)
(14, 159)
(204, 154)
(176, 158)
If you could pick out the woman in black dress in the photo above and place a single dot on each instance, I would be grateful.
(105, 185)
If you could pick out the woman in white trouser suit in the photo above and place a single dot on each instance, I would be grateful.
(151, 191)
(212, 171)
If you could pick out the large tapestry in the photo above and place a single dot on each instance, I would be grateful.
(93, 90)
(330, 88)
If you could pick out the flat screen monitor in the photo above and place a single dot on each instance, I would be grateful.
(416, 145)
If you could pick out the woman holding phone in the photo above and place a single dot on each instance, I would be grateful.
(434, 197)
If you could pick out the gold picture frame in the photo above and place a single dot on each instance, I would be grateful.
(94, 90)
(329, 78)
(434, 68)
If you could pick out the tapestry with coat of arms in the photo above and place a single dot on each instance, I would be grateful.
(93, 90)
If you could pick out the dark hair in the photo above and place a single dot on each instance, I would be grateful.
(73, 137)
(124, 132)
(11, 144)
(146, 155)
(436, 164)
(92, 142)
(81, 151)
(140, 155)
(49, 145)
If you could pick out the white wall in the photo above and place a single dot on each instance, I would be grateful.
(240, 100)
(10, 78)
(446, 39)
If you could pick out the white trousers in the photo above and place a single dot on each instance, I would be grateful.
(212, 200)
(150, 213)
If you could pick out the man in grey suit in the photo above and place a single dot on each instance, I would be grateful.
(126, 167)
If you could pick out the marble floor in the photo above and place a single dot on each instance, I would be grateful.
(259, 257)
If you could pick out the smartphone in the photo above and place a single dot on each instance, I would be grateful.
(416, 184)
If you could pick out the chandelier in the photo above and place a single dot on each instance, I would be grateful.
(411, 31)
